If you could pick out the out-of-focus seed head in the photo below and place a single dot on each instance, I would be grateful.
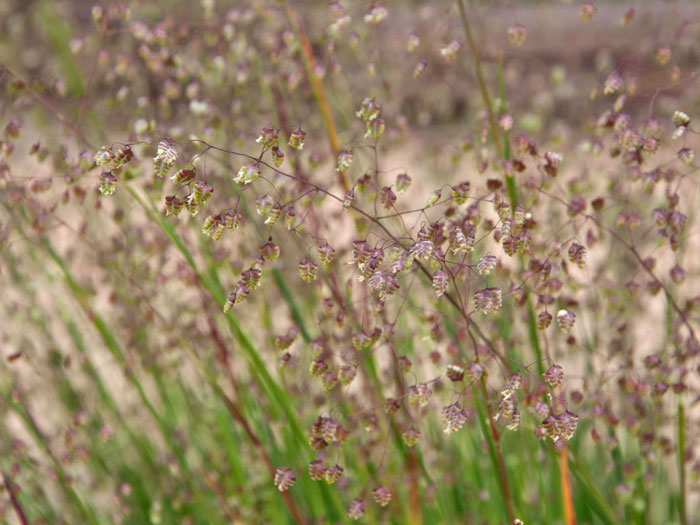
(348, 199)
(652, 361)
(506, 122)
(419, 394)
(264, 205)
(333, 474)
(375, 128)
(267, 138)
(554, 376)
(486, 264)
(284, 479)
(121, 157)
(540, 409)
(453, 418)
(411, 436)
(449, 52)
(680, 119)
(317, 443)
(484, 301)
(516, 34)
(318, 367)
(578, 254)
(247, 174)
(420, 68)
(296, 139)
(317, 470)
(329, 380)
(387, 197)
(326, 253)
(422, 249)
(455, 373)
(497, 295)
(233, 219)
(540, 432)
(627, 17)
(512, 385)
(475, 371)
(356, 509)
(344, 160)
(405, 364)
(544, 319)
(506, 406)
(412, 43)
(391, 406)
(346, 374)
(613, 84)
(662, 56)
(381, 495)
(550, 426)
(433, 198)
(514, 424)
(104, 156)
(183, 176)
(376, 15)
(677, 274)
(369, 110)
(588, 11)
(440, 282)
(108, 183)
(251, 277)
(165, 157)
(274, 214)
(460, 192)
(679, 132)
(686, 155)
(566, 320)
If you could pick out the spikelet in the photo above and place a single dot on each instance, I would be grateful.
(247, 174)
(554, 376)
(440, 282)
(284, 478)
(344, 160)
(566, 320)
(333, 474)
(165, 158)
(544, 319)
(307, 270)
(317, 470)
(108, 183)
(419, 394)
(381, 495)
(296, 139)
(453, 418)
(410, 436)
(486, 264)
(356, 509)
(326, 253)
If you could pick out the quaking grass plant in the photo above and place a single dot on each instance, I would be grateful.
(274, 262)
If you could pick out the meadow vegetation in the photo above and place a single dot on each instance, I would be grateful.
(274, 261)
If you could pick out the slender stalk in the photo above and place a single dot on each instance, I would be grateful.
(481, 79)
(602, 507)
(316, 83)
(22, 410)
(493, 441)
(567, 495)
(21, 516)
(681, 460)
(269, 465)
